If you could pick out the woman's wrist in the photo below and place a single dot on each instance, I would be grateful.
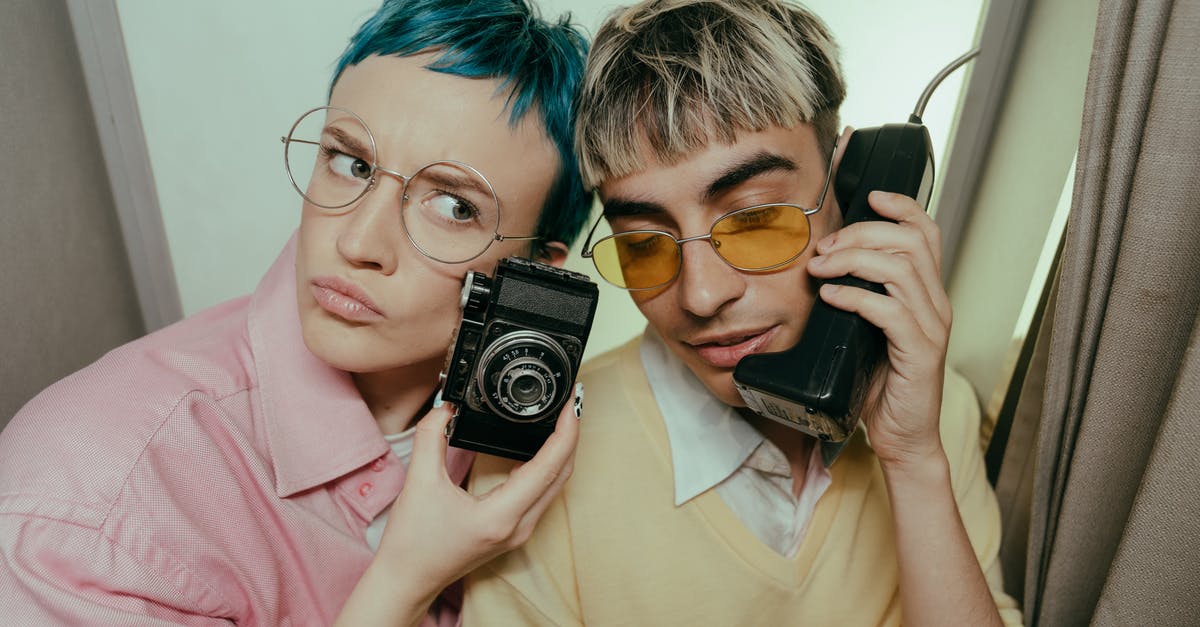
(386, 595)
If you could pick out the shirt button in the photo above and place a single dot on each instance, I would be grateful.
(378, 465)
(365, 489)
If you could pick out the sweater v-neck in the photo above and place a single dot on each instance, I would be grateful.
(849, 481)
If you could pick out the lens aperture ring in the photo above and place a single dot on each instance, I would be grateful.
(514, 367)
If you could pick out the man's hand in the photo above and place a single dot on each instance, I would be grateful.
(437, 532)
(941, 582)
(903, 404)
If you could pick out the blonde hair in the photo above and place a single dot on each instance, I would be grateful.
(674, 75)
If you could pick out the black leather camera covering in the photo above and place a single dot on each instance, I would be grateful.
(558, 306)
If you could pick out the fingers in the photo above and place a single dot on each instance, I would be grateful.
(904, 334)
(429, 444)
(908, 212)
(915, 238)
(533, 478)
(567, 428)
(897, 274)
(536, 482)
(534, 513)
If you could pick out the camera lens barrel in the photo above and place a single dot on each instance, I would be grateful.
(528, 387)
(518, 375)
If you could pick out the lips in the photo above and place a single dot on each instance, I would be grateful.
(727, 349)
(345, 300)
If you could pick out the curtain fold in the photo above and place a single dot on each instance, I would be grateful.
(1014, 486)
(1115, 524)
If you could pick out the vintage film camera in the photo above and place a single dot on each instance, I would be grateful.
(514, 358)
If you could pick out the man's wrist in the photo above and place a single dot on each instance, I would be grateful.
(930, 469)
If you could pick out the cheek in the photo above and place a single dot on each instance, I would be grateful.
(317, 234)
(791, 288)
(420, 302)
(656, 305)
(823, 223)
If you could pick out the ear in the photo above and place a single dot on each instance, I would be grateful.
(834, 211)
(551, 253)
(840, 150)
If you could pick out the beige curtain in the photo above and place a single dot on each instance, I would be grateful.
(1114, 532)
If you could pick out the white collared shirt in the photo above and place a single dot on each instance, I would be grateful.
(713, 447)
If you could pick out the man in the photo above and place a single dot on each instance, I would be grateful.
(240, 466)
(709, 129)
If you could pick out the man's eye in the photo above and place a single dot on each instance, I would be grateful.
(756, 218)
(642, 245)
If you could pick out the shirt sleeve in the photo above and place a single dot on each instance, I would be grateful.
(54, 572)
(976, 500)
(532, 585)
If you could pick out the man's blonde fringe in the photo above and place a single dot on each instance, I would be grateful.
(661, 81)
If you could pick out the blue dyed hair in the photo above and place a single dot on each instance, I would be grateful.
(540, 65)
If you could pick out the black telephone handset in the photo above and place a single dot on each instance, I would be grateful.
(818, 385)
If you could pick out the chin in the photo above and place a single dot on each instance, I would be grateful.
(340, 354)
(337, 344)
(719, 383)
(725, 391)
(363, 358)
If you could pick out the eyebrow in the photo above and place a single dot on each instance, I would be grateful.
(754, 165)
(623, 208)
(351, 143)
(457, 180)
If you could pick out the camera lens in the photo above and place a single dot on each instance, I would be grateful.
(526, 388)
(520, 375)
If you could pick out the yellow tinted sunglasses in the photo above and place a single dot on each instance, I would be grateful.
(752, 239)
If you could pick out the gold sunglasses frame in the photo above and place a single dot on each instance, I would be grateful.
(589, 248)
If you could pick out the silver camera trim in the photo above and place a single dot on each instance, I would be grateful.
(528, 367)
(506, 342)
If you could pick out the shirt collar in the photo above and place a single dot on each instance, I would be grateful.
(708, 439)
(318, 427)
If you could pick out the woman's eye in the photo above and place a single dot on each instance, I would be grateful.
(348, 166)
(452, 208)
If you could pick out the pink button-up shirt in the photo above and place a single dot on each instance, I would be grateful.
(213, 472)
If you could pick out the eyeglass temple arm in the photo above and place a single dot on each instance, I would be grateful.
(828, 179)
(516, 238)
(586, 252)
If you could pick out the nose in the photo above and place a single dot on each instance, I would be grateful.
(370, 232)
(706, 284)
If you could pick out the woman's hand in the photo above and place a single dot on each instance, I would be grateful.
(437, 532)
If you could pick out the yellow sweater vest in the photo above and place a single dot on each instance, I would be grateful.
(613, 549)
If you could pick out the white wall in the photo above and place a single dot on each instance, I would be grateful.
(219, 82)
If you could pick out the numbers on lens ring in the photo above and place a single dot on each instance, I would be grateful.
(522, 351)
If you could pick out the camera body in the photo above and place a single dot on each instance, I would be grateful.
(515, 355)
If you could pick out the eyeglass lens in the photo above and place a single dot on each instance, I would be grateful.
(757, 238)
(449, 210)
